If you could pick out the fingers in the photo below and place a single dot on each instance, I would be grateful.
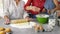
(7, 21)
(27, 8)
(33, 8)
(29, 19)
(36, 9)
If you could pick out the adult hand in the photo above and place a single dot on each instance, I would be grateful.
(29, 8)
(7, 20)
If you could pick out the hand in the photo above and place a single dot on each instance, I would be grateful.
(29, 8)
(49, 12)
(7, 21)
(33, 8)
(29, 19)
(44, 10)
(57, 8)
(36, 9)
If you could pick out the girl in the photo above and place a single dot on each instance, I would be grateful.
(34, 7)
(51, 6)
(14, 9)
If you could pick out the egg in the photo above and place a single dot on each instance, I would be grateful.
(2, 32)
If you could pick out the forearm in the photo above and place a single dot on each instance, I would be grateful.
(56, 8)
(56, 2)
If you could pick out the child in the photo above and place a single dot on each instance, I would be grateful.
(51, 6)
(14, 10)
(34, 7)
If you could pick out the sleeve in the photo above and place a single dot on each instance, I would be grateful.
(27, 4)
(25, 14)
(5, 8)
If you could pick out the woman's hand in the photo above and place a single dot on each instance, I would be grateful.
(7, 20)
(28, 8)
(33, 8)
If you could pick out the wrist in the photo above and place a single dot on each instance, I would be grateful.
(6, 17)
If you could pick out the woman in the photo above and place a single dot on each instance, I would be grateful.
(34, 7)
(14, 9)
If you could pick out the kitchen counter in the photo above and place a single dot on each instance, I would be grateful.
(29, 30)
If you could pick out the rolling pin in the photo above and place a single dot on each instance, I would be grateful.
(19, 21)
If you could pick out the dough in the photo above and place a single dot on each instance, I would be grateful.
(2, 32)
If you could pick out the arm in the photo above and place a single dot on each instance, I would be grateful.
(57, 5)
(27, 4)
(25, 14)
(6, 11)
(6, 8)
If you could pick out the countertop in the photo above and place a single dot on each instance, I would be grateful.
(56, 30)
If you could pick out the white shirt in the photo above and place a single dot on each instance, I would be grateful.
(14, 11)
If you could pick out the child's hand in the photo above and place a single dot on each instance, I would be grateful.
(28, 8)
(57, 8)
(29, 19)
(36, 9)
(44, 10)
(48, 11)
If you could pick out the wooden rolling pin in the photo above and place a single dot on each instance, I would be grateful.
(19, 21)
